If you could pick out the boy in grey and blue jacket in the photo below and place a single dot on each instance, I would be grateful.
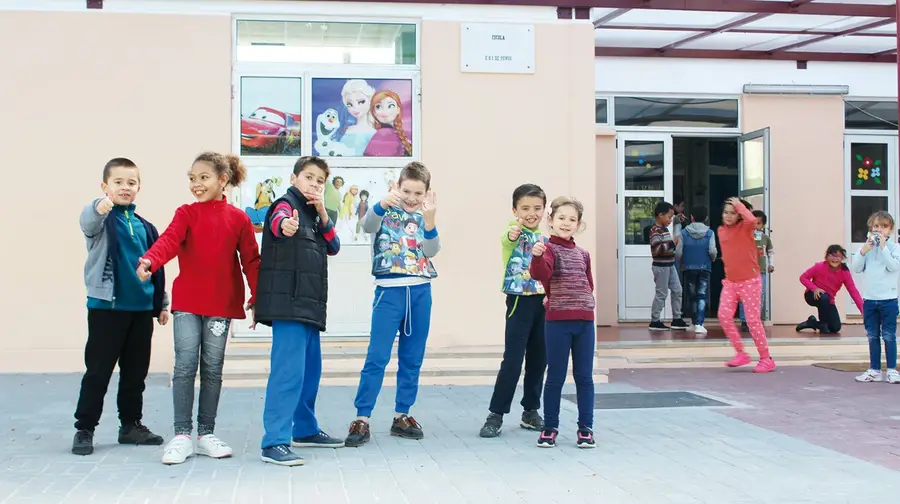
(121, 308)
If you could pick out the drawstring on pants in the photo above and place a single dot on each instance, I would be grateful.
(407, 319)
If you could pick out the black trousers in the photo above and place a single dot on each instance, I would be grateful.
(829, 318)
(524, 342)
(121, 337)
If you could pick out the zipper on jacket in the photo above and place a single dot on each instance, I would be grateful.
(130, 227)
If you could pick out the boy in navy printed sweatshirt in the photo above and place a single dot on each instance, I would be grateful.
(120, 306)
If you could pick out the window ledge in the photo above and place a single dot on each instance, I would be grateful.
(604, 130)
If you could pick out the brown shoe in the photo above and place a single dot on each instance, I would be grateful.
(359, 434)
(406, 427)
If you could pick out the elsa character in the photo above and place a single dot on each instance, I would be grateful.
(391, 139)
(359, 128)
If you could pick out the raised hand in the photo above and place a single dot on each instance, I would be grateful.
(538, 248)
(429, 206)
(104, 206)
(515, 231)
(143, 269)
(393, 197)
(290, 225)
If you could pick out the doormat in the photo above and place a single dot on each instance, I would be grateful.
(849, 367)
(649, 400)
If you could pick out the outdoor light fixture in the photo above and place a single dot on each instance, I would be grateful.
(795, 89)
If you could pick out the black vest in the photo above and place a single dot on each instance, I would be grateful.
(293, 272)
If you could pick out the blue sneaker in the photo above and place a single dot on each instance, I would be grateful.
(281, 455)
(317, 440)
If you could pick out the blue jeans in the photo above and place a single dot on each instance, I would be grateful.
(762, 303)
(404, 310)
(880, 319)
(296, 367)
(696, 288)
(563, 337)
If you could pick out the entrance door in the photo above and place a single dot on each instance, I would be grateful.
(870, 172)
(753, 180)
(644, 179)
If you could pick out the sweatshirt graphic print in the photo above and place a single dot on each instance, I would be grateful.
(398, 246)
(517, 279)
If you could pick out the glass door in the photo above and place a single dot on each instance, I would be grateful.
(870, 172)
(753, 180)
(644, 179)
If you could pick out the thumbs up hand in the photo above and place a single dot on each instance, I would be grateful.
(104, 206)
(290, 225)
(515, 231)
(538, 248)
(143, 269)
(393, 197)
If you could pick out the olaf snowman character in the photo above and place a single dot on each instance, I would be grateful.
(327, 125)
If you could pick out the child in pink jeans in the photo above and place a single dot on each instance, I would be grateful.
(742, 283)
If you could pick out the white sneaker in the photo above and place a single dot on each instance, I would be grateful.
(178, 450)
(699, 329)
(893, 376)
(213, 447)
(874, 375)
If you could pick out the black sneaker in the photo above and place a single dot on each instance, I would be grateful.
(586, 438)
(531, 420)
(547, 439)
(406, 426)
(359, 434)
(492, 426)
(138, 434)
(318, 440)
(83, 444)
(679, 325)
(281, 455)
(658, 326)
(810, 323)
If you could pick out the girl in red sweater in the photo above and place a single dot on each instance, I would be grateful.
(207, 237)
(823, 281)
(564, 269)
(742, 283)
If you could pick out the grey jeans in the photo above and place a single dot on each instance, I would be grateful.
(198, 340)
(666, 279)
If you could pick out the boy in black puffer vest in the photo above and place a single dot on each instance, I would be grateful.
(291, 296)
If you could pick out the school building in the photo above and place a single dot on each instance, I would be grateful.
(724, 99)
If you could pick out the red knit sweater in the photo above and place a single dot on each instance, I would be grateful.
(565, 272)
(207, 238)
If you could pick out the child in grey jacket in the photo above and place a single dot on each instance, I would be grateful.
(121, 308)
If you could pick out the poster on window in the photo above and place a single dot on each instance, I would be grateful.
(362, 117)
(270, 116)
(349, 193)
(262, 187)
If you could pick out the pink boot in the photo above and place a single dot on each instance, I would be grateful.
(741, 359)
(766, 365)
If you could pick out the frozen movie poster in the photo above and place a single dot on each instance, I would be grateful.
(349, 193)
(270, 116)
(262, 187)
(362, 117)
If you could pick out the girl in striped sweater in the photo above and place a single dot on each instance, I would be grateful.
(564, 269)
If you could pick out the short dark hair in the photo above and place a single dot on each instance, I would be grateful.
(759, 214)
(528, 190)
(119, 162)
(662, 208)
(837, 249)
(677, 200)
(699, 213)
(363, 193)
(305, 161)
(415, 171)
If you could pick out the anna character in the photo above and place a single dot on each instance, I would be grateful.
(390, 140)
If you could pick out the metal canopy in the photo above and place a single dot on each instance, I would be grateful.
(801, 30)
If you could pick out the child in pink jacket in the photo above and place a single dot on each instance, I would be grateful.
(823, 281)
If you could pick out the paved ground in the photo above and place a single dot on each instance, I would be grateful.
(688, 455)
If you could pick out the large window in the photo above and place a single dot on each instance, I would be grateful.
(870, 115)
(869, 175)
(676, 112)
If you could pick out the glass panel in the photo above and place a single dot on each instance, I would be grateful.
(317, 42)
(676, 112)
(869, 166)
(639, 219)
(263, 186)
(270, 116)
(861, 207)
(644, 164)
(753, 166)
(600, 111)
(870, 115)
(362, 117)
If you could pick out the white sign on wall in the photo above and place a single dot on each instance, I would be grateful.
(497, 48)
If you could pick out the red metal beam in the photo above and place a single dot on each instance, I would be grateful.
(719, 29)
(609, 17)
(633, 52)
(764, 31)
(848, 31)
(748, 6)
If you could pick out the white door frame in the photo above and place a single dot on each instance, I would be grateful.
(763, 191)
(623, 251)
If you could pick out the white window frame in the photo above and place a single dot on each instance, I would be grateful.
(609, 110)
(679, 130)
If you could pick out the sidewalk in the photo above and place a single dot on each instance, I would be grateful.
(653, 456)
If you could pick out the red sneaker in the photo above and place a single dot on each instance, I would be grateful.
(766, 365)
(741, 359)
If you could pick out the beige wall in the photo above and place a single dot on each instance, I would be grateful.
(607, 229)
(108, 85)
(79, 89)
(807, 188)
